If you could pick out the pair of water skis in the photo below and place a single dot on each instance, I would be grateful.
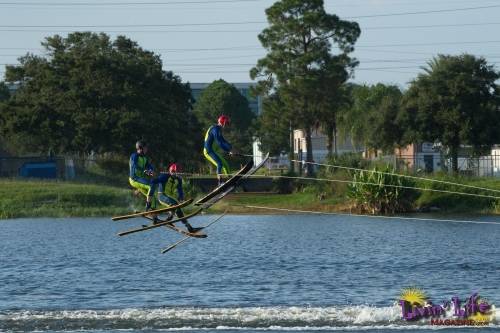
(202, 204)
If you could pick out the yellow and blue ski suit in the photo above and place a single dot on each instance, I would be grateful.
(164, 198)
(214, 134)
(138, 164)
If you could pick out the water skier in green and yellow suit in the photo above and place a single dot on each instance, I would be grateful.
(214, 135)
(167, 200)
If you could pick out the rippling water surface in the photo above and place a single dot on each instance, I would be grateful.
(273, 273)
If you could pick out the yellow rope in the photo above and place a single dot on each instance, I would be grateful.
(401, 175)
(369, 216)
(386, 185)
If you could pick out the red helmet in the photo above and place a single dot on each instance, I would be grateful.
(173, 168)
(223, 120)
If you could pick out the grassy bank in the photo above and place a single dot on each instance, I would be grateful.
(336, 200)
(19, 198)
(456, 203)
(238, 203)
(31, 198)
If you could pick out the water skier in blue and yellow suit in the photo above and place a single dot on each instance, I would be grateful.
(214, 134)
(142, 172)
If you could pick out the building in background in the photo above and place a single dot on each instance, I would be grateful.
(495, 161)
(13, 87)
(274, 162)
(424, 156)
(319, 143)
(428, 157)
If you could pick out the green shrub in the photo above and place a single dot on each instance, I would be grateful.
(285, 185)
(338, 189)
(457, 202)
(107, 169)
(382, 193)
(113, 164)
(349, 160)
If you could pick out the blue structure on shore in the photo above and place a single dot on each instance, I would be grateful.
(38, 170)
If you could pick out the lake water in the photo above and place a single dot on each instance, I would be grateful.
(253, 273)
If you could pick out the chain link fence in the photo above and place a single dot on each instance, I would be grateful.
(483, 166)
(115, 171)
(60, 168)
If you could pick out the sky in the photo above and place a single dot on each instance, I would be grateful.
(206, 40)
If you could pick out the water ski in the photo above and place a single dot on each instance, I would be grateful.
(172, 246)
(196, 234)
(161, 224)
(226, 188)
(156, 211)
(230, 183)
(256, 167)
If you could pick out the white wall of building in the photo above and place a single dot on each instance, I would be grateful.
(495, 163)
(319, 145)
(274, 162)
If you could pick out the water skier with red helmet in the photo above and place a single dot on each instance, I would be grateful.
(214, 135)
(167, 200)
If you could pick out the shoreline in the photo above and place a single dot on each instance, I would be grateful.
(39, 199)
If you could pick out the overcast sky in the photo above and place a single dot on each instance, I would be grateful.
(204, 40)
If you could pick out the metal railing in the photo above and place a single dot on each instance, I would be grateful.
(483, 166)
(57, 167)
(68, 167)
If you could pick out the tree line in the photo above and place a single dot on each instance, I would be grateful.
(92, 93)
(454, 101)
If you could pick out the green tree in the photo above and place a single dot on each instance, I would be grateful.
(4, 92)
(454, 102)
(383, 130)
(220, 98)
(352, 122)
(371, 118)
(91, 93)
(272, 127)
(331, 103)
(4, 96)
(386, 130)
(299, 41)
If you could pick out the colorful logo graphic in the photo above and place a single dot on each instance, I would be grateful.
(472, 311)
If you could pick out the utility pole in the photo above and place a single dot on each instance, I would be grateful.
(290, 155)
